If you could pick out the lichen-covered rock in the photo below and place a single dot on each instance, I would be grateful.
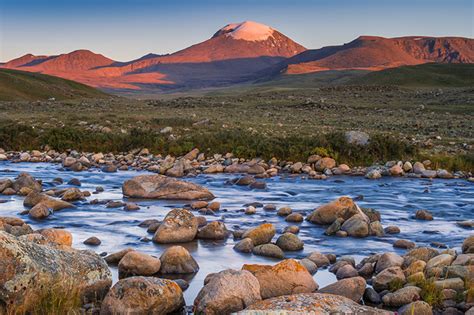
(311, 303)
(34, 198)
(179, 226)
(162, 187)
(343, 207)
(286, 277)
(143, 295)
(387, 260)
(30, 272)
(468, 245)
(356, 226)
(57, 236)
(226, 292)
(351, 288)
(14, 226)
(261, 234)
(135, 263)
(72, 194)
(39, 212)
(177, 260)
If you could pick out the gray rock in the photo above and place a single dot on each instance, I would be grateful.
(351, 288)
(177, 260)
(289, 242)
(244, 246)
(268, 250)
(402, 296)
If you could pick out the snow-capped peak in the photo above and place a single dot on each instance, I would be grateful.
(248, 30)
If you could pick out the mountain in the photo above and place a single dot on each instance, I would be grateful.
(21, 85)
(233, 54)
(376, 53)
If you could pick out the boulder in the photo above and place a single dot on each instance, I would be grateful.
(14, 226)
(214, 230)
(135, 263)
(26, 180)
(261, 234)
(177, 260)
(402, 296)
(423, 215)
(356, 226)
(143, 295)
(387, 260)
(346, 271)
(227, 292)
(179, 226)
(309, 265)
(289, 242)
(416, 308)
(72, 194)
(244, 246)
(439, 261)
(419, 253)
(35, 198)
(311, 303)
(30, 272)
(38, 212)
(92, 241)
(383, 280)
(324, 163)
(319, 259)
(343, 207)
(162, 187)
(357, 137)
(268, 250)
(468, 245)
(115, 258)
(286, 277)
(351, 288)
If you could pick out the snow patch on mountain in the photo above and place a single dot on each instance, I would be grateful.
(248, 30)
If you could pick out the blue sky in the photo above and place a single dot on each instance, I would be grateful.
(125, 30)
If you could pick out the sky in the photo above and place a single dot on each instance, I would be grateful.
(126, 30)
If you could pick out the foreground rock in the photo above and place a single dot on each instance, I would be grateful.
(226, 292)
(30, 272)
(311, 303)
(162, 187)
(143, 295)
(179, 226)
(261, 234)
(286, 277)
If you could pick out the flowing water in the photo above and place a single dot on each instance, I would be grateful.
(397, 199)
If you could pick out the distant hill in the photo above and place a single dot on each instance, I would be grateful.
(377, 53)
(27, 86)
(425, 75)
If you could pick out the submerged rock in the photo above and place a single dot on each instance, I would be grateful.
(143, 295)
(162, 187)
(226, 292)
(30, 272)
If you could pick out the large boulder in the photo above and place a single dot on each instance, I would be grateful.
(311, 303)
(30, 272)
(143, 295)
(26, 180)
(261, 234)
(286, 277)
(177, 260)
(57, 236)
(34, 198)
(162, 187)
(135, 263)
(343, 207)
(226, 292)
(351, 288)
(179, 226)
